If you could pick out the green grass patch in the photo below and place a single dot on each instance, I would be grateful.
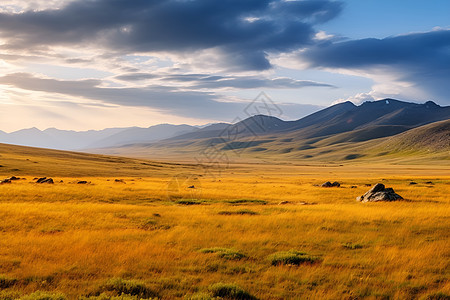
(351, 246)
(292, 257)
(225, 253)
(44, 296)
(238, 212)
(247, 201)
(105, 296)
(189, 202)
(118, 287)
(229, 291)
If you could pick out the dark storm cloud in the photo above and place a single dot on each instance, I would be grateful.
(420, 58)
(242, 31)
(170, 100)
(205, 81)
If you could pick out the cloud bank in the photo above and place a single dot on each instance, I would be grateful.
(418, 62)
(243, 33)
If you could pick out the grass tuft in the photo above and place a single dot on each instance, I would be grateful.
(225, 253)
(247, 201)
(44, 296)
(292, 257)
(239, 212)
(105, 296)
(352, 246)
(118, 287)
(229, 291)
(189, 202)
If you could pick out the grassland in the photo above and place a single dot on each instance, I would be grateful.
(152, 236)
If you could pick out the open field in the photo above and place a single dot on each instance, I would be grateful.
(153, 236)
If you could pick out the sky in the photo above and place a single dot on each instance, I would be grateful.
(94, 64)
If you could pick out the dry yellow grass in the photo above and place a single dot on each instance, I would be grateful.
(71, 238)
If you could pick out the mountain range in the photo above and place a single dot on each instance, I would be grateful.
(341, 126)
(340, 132)
(53, 138)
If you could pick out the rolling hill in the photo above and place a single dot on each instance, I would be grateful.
(30, 161)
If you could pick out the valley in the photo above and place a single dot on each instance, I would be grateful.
(146, 229)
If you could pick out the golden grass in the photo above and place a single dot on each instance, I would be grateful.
(72, 239)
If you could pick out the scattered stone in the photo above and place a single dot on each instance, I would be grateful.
(119, 181)
(45, 180)
(353, 187)
(329, 184)
(367, 184)
(191, 187)
(379, 193)
(306, 203)
(61, 181)
(5, 181)
(14, 178)
(412, 183)
(429, 182)
(82, 182)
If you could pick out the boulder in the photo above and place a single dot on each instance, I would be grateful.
(329, 184)
(379, 193)
(45, 180)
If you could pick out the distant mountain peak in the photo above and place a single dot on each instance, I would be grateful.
(431, 104)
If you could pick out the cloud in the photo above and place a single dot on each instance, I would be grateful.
(416, 65)
(242, 33)
(213, 82)
(169, 100)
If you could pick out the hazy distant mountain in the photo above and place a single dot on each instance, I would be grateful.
(140, 135)
(75, 140)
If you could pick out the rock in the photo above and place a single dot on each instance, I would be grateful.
(5, 181)
(379, 193)
(39, 180)
(329, 184)
(412, 183)
(429, 182)
(353, 187)
(45, 180)
(14, 178)
(48, 180)
(119, 181)
(82, 182)
(191, 187)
